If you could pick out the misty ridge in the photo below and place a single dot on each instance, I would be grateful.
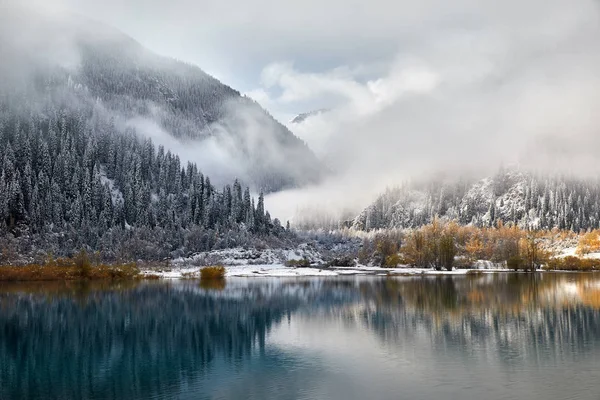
(108, 148)
(175, 104)
(470, 88)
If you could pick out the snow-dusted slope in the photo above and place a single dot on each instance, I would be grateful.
(228, 135)
(515, 196)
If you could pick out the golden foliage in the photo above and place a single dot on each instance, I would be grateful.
(437, 244)
(518, 248)
(382, 250)
(213, 272)
(589, 243)
(572, 263)
(392, 261)
(68, 269)
(474, 248)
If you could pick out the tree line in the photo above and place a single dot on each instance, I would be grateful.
(446, 245)
(531, 201)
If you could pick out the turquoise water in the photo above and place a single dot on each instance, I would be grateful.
(497, 336)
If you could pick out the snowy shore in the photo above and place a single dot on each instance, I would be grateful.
(275, 263)
(279, 270)
(240, 262)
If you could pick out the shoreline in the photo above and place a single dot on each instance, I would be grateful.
(282, 271)
(126, 272)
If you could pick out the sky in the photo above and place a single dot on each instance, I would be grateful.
(413, 87)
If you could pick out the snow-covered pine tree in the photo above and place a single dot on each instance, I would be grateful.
(93, 186)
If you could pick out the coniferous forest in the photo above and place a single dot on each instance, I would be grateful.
(79, 105)
(529, 200)
(71, 181)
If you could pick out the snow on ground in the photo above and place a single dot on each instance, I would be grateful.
(280, 270)
(241, 256)
(117, 196)
(272, 263)
(572, 252)
(276, 270)
(568, 252)
(270, 270)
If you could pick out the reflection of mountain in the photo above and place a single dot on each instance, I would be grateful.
(170, 340)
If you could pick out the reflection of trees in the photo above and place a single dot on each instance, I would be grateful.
(81, 341)
(520, 313)
(446, 296)
(125, 344)
(77, 340)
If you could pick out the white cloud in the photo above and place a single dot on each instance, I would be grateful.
(518, 85)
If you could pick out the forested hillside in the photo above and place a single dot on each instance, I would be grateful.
(84, 113)
(70, 181)
(529, 200)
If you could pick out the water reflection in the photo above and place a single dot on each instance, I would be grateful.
(498, 335)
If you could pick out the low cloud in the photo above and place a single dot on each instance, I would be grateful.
(214, 156)
(516, 89)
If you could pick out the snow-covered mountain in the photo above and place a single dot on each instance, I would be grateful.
(77, 60)
(82, 165)
(530, 200)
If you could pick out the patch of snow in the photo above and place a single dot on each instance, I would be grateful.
(115, 193)
(274, 270)
(487, 265)
(241, 262)
(572, 252)
(568, 252)
(241, 256)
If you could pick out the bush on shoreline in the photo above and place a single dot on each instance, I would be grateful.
(214, 272)
(572, 263)
(302, 263)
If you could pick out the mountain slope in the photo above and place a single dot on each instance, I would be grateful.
(529, 200)
(75, 173)
(70, 181)
(227, 134)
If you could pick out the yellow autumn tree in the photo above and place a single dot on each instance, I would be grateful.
(589, 243)
(474, 248)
